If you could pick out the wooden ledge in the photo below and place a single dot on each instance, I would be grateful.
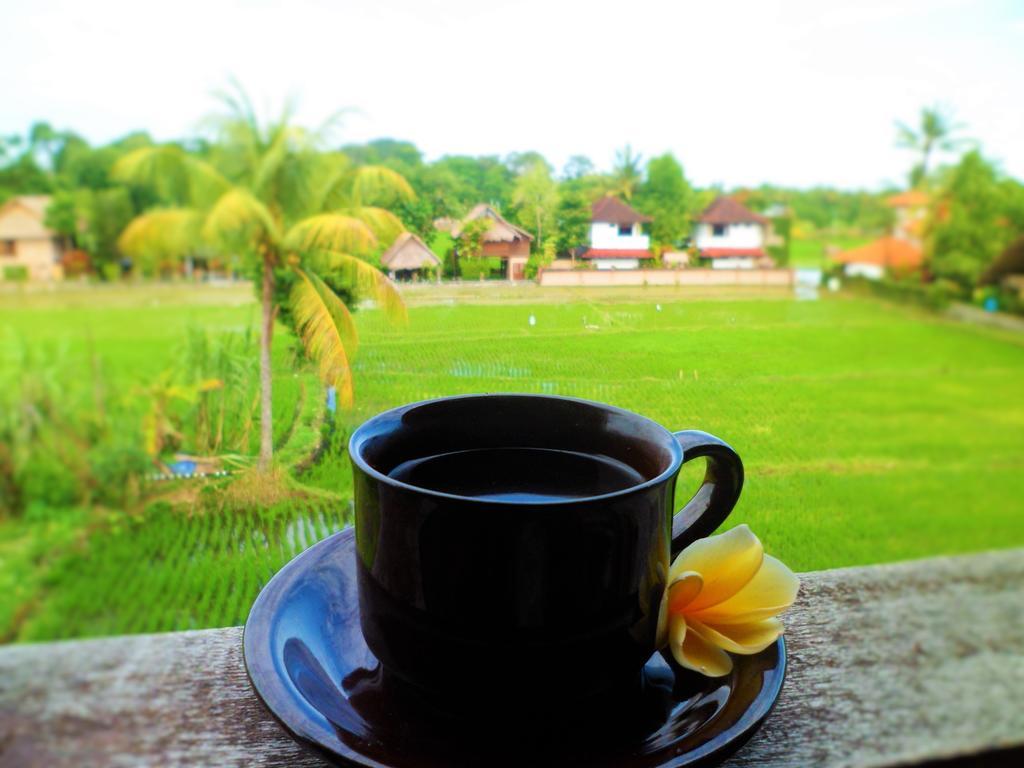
(912, 663)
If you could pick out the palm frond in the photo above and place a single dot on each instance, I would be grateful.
(375, 183)
(176, 175)
(238, 211)
(368, 281)
(332, 182)
(326, 132)
(238, 104)
(167, 233)
(382, 222)
(327, 331)
(906, 137)
(285, 141)
(330, 232)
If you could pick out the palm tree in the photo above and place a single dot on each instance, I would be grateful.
(626, 175)
(294, 213)
(936, 132)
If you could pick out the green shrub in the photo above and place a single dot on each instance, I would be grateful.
(116, 468)
(16, 273)
(936, 295)
(475, 269)
(44, 478)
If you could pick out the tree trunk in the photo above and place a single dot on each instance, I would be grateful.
(266, 381)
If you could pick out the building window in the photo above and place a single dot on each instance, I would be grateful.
(625, 230)
(718, 230)
(7, 248)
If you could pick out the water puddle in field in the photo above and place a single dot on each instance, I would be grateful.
(806, 283)
(309, 527)
(462, 369)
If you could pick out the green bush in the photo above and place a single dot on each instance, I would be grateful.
(475, 269)
(780, 254)
(116, 468)
(16, 273)
(936, 295)
(46, 479)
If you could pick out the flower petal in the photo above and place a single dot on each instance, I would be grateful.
(726, 562)
(676, 631)
(683, 590)
(696, 653)
(771, 591)
(740, 638)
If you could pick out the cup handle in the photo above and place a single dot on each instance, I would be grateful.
(717, 495)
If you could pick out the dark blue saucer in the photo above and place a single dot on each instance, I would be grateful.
(308, 662)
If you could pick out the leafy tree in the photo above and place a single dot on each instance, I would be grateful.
(936, 131)
(572, 219)
(42, 138)
(464, 181)
(976, 214)
(400, 155)
(23, 176)
(577, 166)
(292, 212)
(63, 215)
(535, 196)
(667, 197)
(443, 244)
(521, 162)
(470, 243)
(626, 175)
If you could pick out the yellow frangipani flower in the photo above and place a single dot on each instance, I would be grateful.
(724, 594)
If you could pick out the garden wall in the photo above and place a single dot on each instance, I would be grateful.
(695, 277)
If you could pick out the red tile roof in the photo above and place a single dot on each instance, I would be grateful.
(722, 253)
(611, 210)
(885, 252)
(726, 210)
(616, 253)
(913, 198)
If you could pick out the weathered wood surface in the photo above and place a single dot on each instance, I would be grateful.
(889, 665)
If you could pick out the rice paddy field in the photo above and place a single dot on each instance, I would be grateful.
(870, 432)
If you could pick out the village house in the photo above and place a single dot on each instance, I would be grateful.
(617, 239)
(731, 236)
(502, 240)
(898, 253)
(27, 247)
(887, 255)
(911, 209)
(408, 257)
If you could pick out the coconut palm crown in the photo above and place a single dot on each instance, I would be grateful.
(265, 192)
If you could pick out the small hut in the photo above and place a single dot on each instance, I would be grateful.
(408, 256)
(28, 248)
(502, 240)
(1008, 269)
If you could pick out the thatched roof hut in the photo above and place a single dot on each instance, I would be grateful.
(409, 252)
(500, 230)
(1008, 268)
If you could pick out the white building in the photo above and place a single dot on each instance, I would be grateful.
(617, 239)
(731, 236)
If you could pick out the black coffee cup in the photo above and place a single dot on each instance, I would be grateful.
(526, 594)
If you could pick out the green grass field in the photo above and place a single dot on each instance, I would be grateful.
(810, 251)
(870, 432)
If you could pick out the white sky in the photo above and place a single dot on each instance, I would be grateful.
(796, 93)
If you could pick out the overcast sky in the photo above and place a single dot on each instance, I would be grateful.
(796, 93)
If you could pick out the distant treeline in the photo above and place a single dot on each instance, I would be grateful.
(976, 210)
(90, 208)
